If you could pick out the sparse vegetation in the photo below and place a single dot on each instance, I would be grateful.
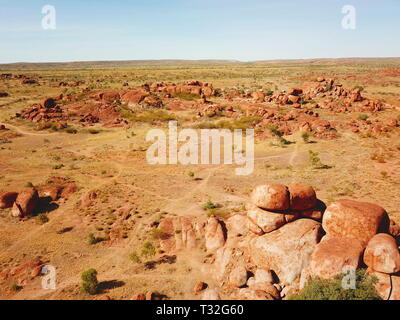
(315, 161)
(90, 283)
(148, 249)
(333, 289)
(134, 257)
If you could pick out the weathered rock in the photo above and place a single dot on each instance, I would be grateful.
(139, 296)
(271, 197)
(382, 254)
(388, 286)
(7, 199)
(302, 196)
(48, 103)
(178, 234)
(394, 228)
(214, 234)
(25, 203)
(287, 251)
(52, 192)
(263, 276)
(266, 287)
(238, 277)
(237, 225)
(200, 286)
(211, 294)
(268, 221)
(353, 219)
(334, 257)
(250, 294)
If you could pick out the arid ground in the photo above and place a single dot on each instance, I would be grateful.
(110, 202)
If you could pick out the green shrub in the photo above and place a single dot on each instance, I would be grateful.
(89, 281)
(187, 96)
(134, 257)
(209, 205)
(158, 234)
(14, 287)
(29, 185)
(306, 136)
(332, 289)
(359, 87)
(92, 239)
(363, 116)
(42, 218)
(148, 249)
(316, 161)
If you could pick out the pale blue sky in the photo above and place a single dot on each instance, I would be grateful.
(197, 29)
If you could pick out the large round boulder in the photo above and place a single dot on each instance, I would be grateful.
(354, 219)
(302, 196)
(334, 257)
(382, 254)
(25, 203)
(271, 197)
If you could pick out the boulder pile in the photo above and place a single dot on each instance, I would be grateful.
(286, 237)
(26, 203)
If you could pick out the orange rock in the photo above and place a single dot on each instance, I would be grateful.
(287, 250)
(200, 286)
(7, 199)
(238, 277)
(214, 234)
(268, 221)
(302, 196)
(335, 256)
(25, 203)
(353, 219)
(271, 197)
(382, 254)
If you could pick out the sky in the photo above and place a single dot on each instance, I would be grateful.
(246, 30)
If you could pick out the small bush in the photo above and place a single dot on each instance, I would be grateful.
(158, 234)
(316, 161)
(191, 174)
(306, 136)
(29, 185)
(363, 116)
(209, 205)
(148, 249)
(42, 218)
(89, 281)
(358, 87)
(332, 289)
(92, 239)
(14, 287)
(58, 166)
(134, 257)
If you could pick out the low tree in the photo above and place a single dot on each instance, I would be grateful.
(90, 283)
